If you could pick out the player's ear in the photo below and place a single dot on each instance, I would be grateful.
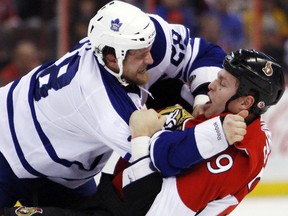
(111, 62)
(247, 102)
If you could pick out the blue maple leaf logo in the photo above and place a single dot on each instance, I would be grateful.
(115, 25)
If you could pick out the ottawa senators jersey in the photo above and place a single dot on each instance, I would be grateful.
(218, 184)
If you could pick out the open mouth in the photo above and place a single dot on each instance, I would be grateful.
(209, 102)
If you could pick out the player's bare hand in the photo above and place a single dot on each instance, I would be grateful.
(234, 126)
(145, 122)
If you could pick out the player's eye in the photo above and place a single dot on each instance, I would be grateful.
(222, 84)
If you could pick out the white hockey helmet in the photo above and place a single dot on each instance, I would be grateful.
(123, 27)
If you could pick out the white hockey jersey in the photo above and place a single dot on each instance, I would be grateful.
(63, 119)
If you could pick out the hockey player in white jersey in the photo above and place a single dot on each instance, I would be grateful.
(61, 122)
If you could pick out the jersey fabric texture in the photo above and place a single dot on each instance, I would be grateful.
(62, 120)
(216, 185)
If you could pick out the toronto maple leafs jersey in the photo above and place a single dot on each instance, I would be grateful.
(63, 119)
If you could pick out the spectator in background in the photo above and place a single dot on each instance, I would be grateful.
(177, 12)
(209, 28)
(8, 20)
(82, 12)
(199, 6)
(231, 34)
(29, 8)
(25, 58)
(8, 13)
(26, 20)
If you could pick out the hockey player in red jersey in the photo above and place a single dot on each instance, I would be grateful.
(207, 183)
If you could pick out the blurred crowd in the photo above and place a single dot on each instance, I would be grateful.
(28, 29)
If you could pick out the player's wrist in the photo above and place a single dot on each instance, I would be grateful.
(139, 147)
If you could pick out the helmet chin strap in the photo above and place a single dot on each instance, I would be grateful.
(118, 75)
(237, 95)
(121, 80)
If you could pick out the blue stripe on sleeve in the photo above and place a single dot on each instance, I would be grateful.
(159, 46)
(18, 149)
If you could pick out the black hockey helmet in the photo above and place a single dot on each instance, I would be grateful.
(258, 73)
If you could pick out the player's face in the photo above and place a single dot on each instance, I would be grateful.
(221, 90)
(135, 66)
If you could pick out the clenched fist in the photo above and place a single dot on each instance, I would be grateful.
(234, 126)
(145, 122)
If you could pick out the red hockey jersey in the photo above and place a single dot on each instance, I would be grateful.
(217, 185)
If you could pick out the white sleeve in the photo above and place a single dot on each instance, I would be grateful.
(210, 137)
(202, 75)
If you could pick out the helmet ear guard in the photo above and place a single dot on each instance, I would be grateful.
(123, 27)
(259, 75)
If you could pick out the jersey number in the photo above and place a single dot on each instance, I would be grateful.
(56, 76)
(177, 47)
(222, 163)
